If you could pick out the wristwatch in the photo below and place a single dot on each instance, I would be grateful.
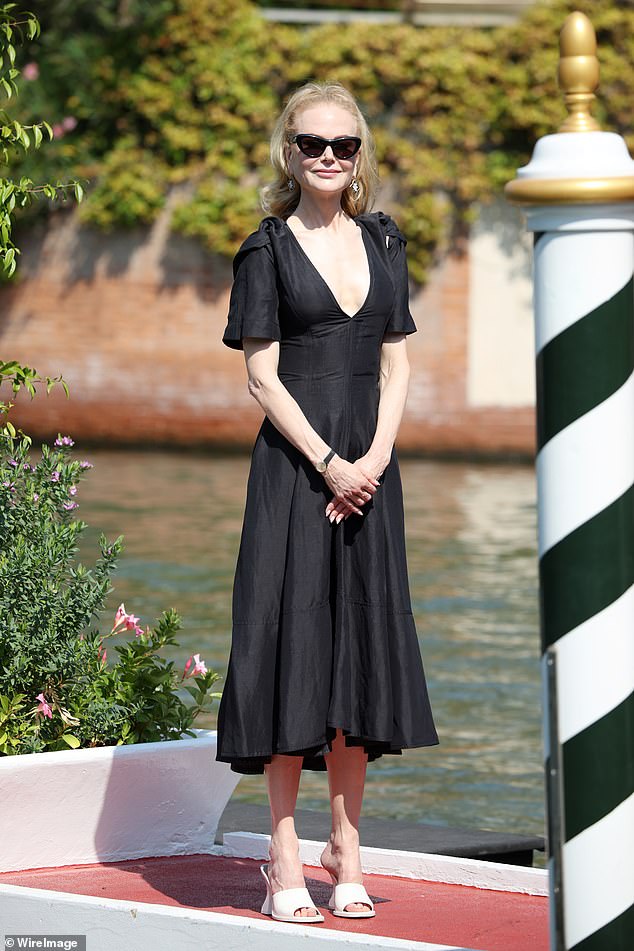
(322, 465)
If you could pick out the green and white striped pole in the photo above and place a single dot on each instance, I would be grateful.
(578, 195)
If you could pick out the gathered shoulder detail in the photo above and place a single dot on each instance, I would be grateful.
(269, 227)
(387, 225)
(254, 301)
(393, 241)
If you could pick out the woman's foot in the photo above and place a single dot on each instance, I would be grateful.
(342, 859)
(285, 869)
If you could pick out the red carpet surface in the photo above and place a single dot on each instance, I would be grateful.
(405, 908)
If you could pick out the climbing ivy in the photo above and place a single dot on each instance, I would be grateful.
(180, 97)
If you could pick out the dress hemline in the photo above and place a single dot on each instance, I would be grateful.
(315, 755)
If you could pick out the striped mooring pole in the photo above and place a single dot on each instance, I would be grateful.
(578, 196)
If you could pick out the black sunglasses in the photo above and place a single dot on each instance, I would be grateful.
(343, 147)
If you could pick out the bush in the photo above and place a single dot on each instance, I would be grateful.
(56, 688)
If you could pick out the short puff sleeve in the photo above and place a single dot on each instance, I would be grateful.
(401, 320)
(254, 303)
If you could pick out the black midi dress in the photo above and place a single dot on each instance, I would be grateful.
(323, 635)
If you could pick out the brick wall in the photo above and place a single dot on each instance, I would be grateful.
(134, 322)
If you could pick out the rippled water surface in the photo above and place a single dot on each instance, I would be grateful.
(473, 578)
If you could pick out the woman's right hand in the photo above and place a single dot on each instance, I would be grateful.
(350, 486)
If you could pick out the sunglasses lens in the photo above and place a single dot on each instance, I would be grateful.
(311, 145)
(345, 148)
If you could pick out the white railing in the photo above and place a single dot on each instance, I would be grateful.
(417, 12)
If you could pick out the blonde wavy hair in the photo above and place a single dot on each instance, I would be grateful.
(276, 199)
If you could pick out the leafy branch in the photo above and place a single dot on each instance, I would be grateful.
(14, 134)
(18, 376)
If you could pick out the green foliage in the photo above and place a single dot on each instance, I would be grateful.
(16, 28)
(11, 27)
(130, 190)
(216, 213)
(16, 377)
(56, 688)
(185, 93)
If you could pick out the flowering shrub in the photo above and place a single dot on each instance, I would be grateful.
(56, 688)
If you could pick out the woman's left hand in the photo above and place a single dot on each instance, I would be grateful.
(336, 510)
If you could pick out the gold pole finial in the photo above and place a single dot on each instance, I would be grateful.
(578, 72)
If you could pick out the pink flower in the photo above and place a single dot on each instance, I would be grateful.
(102, 653)
(43, 706)
(35, 496)
(198, 668)
(55, 476)
(69, 506)
(69, 123)
(64, 441)
(84, 464)
(72, 490)
(58, 130)
(31, 71)
(119, 616)
(129, 621)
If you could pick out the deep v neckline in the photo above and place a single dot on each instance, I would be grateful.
(325, 282)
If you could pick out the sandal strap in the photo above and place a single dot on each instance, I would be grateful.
(289, 900)
(349, 893)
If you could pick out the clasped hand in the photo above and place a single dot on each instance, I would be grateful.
(352, 484)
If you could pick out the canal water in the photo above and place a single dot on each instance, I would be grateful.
(471, 548)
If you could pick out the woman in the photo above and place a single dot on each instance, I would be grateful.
(325, 670)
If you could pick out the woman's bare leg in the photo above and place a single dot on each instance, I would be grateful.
(346, 781)
(285, 869)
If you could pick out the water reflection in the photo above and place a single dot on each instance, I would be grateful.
(473, 577)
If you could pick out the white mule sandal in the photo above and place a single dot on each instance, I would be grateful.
(282, 905)
(346, 894)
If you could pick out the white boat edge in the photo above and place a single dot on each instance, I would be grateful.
(113, 924)
(116, 923)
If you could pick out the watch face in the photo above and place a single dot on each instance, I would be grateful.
(320, 466)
